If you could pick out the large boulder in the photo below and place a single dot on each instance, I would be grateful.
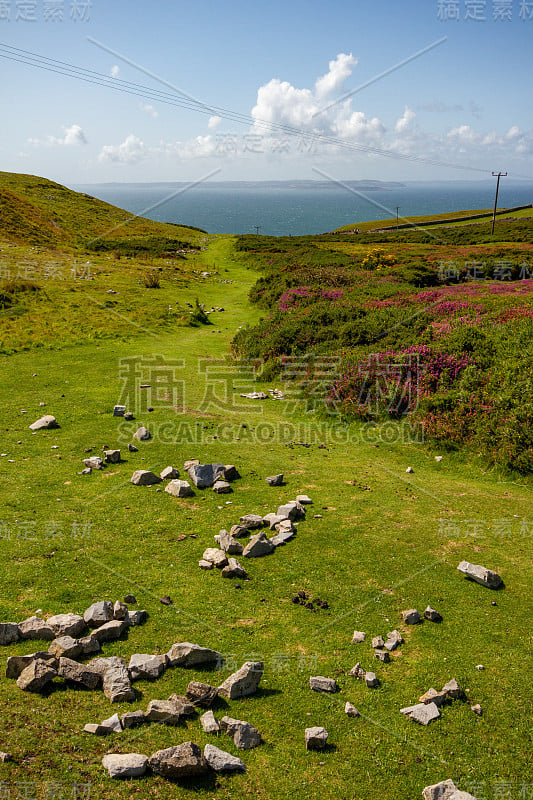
(35, 628)
(201, 694)
(127, 765)
(250, 522)
(215, 556)
(110, 630)
(220, 761)
(48, 421)
(446, 790)
(423, 713)
(316, 738)
(234, 570)
(67, 625)
(481, 575)
(169, 473)
(168, 712)
(144, 477)
(293, 510)
(182, 761)
(229, 544)
(205, 475)
(98, 614)
(244, 682)
(320, 684)
(142, 434)
(186, 654)
(65, 646)
(16, 664)
(36, 676)
(209, 722)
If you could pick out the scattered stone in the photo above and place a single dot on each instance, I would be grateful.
(133, 719)
(205, 475)
(112, 456)
(65, 646)
(315, 738)
(222, 487)
(48, 421)
(207, 565)
(137, 617)
(477, 709)
(185, 654)
(382, 655)
(244, 735)
(411, 617)
(98, 614)
(377, 641)
(165, 601)
(350, 710)
(321, 684)
(119, 411)
(229, 544)
(258, 546)
(36, 676)
(78, 673)
(127, 765)
(481, 575)
(110, 630)
(371, 680)
(453, 690)
(446, 790)
(304, 500)
(102, 665)
(67, 625)
(142, 434)
(480, 666)
(275, 480)
(179, 489)
(432, 696)
(169, 711)
(17, 664)
(216, 556)
(129, 416)
(132, 448)
(357, 671)
(283, 537)
(358, 637)
(145, 477)
(432, 615)
(394, 638)
(423, 713)
(120, 610)
(293, 510)
(130, 599)
(117, 686)
(35, 628)
(231, 473)
(86, 471)
(146, 667)
(209, 722)
(409, 470)
(251, 522)
(220, 761)
(97, 730)
(234, 570)
(94, 462)
(201, 694)
(182, 761)
(244, 682)
(113, 723)
(192, 463)
(5, 757)
(169, 473)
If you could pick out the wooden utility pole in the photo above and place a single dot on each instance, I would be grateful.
(397, 211)
(498, 175)
(257, 229)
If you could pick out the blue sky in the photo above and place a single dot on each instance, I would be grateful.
(466, 103)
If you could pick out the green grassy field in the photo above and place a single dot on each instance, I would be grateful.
(439, 219)
(385, 541)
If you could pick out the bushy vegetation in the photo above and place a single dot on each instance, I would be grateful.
(451, 352)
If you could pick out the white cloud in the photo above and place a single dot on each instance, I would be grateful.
(73, 136)
(149, 110)
(214, 122)
(114, 71)
(403, 124)
(131, 151)
(339, 69)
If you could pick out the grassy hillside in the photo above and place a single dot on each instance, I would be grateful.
(439, 219)
(376, 540)
(34, 210)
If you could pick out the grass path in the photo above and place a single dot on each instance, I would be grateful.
(385, 541)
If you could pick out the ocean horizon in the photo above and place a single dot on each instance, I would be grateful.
(298, 208)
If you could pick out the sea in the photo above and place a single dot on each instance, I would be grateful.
(298, 208)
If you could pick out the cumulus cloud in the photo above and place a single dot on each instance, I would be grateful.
(148, 109)
(339, 70)
(214, 122)
(114, 71)
(72, 137)
(131, 151)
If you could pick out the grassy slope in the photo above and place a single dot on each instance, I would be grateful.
(373, 553)
(439, 219)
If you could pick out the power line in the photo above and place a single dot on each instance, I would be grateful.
(127, 87)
